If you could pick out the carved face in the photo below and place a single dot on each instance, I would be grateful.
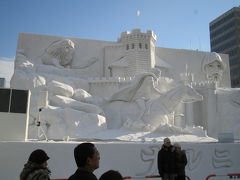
(61, 50)
(214, 70)
(213, 67)
(67, 50)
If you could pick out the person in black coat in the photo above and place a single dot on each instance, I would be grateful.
(87, 159)
(181, 162)
(37, 167)
(167, 161)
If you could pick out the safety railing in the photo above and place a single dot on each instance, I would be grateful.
(146, 177)
(230, 176)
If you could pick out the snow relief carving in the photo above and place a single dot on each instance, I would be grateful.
(213, 67)
(151, 114)
(135, 95)
(221, 159)
(148, 156)
(194, 157)
(59, 53)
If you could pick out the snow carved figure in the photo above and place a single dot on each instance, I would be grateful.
(125, 114)
(59, 53)
(213, 67)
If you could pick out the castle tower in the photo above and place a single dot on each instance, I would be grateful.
(139, 50)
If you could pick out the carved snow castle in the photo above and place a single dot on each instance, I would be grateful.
(128, 84)
(139, 54)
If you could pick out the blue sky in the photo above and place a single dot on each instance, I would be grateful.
(181, 24)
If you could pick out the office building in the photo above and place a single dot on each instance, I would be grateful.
(225, 38)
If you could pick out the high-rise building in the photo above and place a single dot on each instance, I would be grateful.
(225, 38)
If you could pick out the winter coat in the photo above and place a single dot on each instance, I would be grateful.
(84, 175)
(33, 171)
(167, 160)
(181, 162)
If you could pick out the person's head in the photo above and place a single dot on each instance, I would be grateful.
(167, 142)
(177, 147)
(87, 156)
(39, 157)
(111, 175)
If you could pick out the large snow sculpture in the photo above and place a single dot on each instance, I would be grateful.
(66, 110)
(126, 85)
(125, 114)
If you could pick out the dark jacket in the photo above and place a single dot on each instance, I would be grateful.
(82, 175)
(167, 160)
(181, 162)
(33, 171)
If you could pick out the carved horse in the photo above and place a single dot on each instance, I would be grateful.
(129, 115)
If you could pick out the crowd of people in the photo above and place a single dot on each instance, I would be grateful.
(171, 164)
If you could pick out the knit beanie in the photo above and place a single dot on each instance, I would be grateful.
(177, 145)
(38, 156)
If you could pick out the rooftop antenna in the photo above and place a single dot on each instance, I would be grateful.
(186, 76)
(186, 68)
(199, 44)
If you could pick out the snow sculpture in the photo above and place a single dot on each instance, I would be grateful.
(142, 87)
(67, 116)
(64, 103)
(59, 53)
(228, 108)
(126, 85)
(153, 117)
(213, 67)
(139, 53)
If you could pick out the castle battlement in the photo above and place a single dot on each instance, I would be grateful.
(108, 80)
(136, 34)
(204, 84)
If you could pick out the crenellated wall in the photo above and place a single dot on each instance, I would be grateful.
(139, 50)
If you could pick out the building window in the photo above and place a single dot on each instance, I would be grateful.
(127, 47)
(140, 45)
(146, 46)
(226, 18)
(132, 46)
(2, 82)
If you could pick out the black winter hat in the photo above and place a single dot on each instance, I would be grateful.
(38, 156)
